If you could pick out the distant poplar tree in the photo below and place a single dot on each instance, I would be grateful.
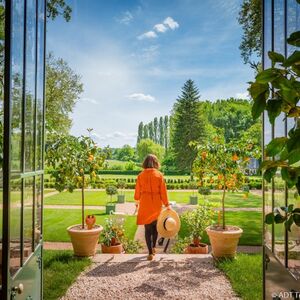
(140, 132)
(166, 131)
(155, 130)
(188, 125)
(151, 131)
(161, 131)
(146, 132)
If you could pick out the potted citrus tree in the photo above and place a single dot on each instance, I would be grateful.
(196, 222)
(226, 162)
(121, 185)
(110, 191)
(75, 161)
(193, 198)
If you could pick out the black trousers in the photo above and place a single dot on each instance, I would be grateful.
(151, 235)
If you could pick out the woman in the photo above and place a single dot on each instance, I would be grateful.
(150, 194)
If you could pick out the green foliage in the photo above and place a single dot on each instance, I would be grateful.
(140, 132)
(131, 246)
(57, 8)
(250, 19)
(130, 165)
(198, 219)
(112, 232)
(180, 245)
(147, 146)
(188, 126)
(111, 190)
(203, 190)
(63, 89)
(161, 131)
(125, 153)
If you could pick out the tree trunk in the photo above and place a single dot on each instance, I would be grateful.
(223, 203)
(82, 203)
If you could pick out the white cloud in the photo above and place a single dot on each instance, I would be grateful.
(141, 97)
(244, 95)
(89, 100)
(160, 27)
(113, 136)
(171, 23)
(126, 18)
(147, 35)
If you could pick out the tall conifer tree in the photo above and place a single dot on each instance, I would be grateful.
(140, 132)
(155, 130)
(161, 131)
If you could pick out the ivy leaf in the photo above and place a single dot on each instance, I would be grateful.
(288, 224)
(259, 106)
(274, 109)
(269, 219)
(294, 38)
(269, 173)
(279, 218)
(276, 146)
(275, 57)
(292, 59)
(268, 75)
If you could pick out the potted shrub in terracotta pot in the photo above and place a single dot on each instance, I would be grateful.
(226, 162)
(121, 196)
(110, 191)
(111, 237)
(75, 161)
(193, 198)
(196, 221)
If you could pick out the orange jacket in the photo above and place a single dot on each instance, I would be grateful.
(151, 192)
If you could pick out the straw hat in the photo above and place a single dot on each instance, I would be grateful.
(168, 223)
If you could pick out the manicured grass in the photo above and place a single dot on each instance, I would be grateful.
(100, 198)
(245, 275)
(57, 221)
(249, 221)
(61, 269)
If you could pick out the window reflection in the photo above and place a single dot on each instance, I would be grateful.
(267, 32)
(38, 211)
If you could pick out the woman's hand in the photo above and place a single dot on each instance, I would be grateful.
(169, 207)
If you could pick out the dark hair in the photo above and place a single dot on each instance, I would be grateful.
(151, 161)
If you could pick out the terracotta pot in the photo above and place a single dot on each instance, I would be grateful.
(224, 242)
(116, 249)
(85, 240)
(90, 220)
(196, 241)
(193, 249)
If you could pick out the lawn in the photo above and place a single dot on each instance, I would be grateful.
(249, 221)
(61, 269)
(100, 198)
(245, 275)
(56, 222)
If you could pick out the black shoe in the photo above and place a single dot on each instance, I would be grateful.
(161, 241)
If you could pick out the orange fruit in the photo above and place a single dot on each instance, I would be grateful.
(235, 157)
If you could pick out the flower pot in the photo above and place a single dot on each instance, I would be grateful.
(201, 249)
(116, 249)
(110, 208)
(193, 200)
(85, 240)
(224, 241)
(121, 198)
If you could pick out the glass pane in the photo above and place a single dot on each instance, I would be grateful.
(293, 20)
(38, 211)
(40, 87)
(15, 225)
(279, 196)
(28, 217)
(17, 84)
(279, 40)
(30, 84)
(267, 186)
(267, 32)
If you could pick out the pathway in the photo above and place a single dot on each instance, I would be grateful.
(132, 277)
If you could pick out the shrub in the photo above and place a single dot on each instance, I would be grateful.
(204, 190)
(180, 245)
(131, 246)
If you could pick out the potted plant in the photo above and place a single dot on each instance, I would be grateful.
(196, 221)
(204, 191)
(193, 198)
(226, 163)
(121, 185)
(111, 237)
(110, 191)
(75, 161)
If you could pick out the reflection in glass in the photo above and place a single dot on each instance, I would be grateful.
(267, 32)
(38, 211)
(15, 225)
(279, 11)
(28, 217)
(30, 84)
(40, 87)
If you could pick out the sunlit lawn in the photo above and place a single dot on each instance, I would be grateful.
(56, 222)
(100, 198)
(249, 221)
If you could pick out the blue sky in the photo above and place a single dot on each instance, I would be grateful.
(135, 55)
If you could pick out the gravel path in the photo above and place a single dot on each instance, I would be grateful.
(131, 277)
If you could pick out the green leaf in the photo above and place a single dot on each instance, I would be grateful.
(294, 156)
(296, 218)
(275, 57)
(268, 75)
(269, 173)
(276, 146)
(274, 109)
(289, 222)
(290, 208)
(258, 106)
(292, 59)
(279, 219)
(298, 1)
(294, 38)
(257, 89)
(269, 219)
(296, 210)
